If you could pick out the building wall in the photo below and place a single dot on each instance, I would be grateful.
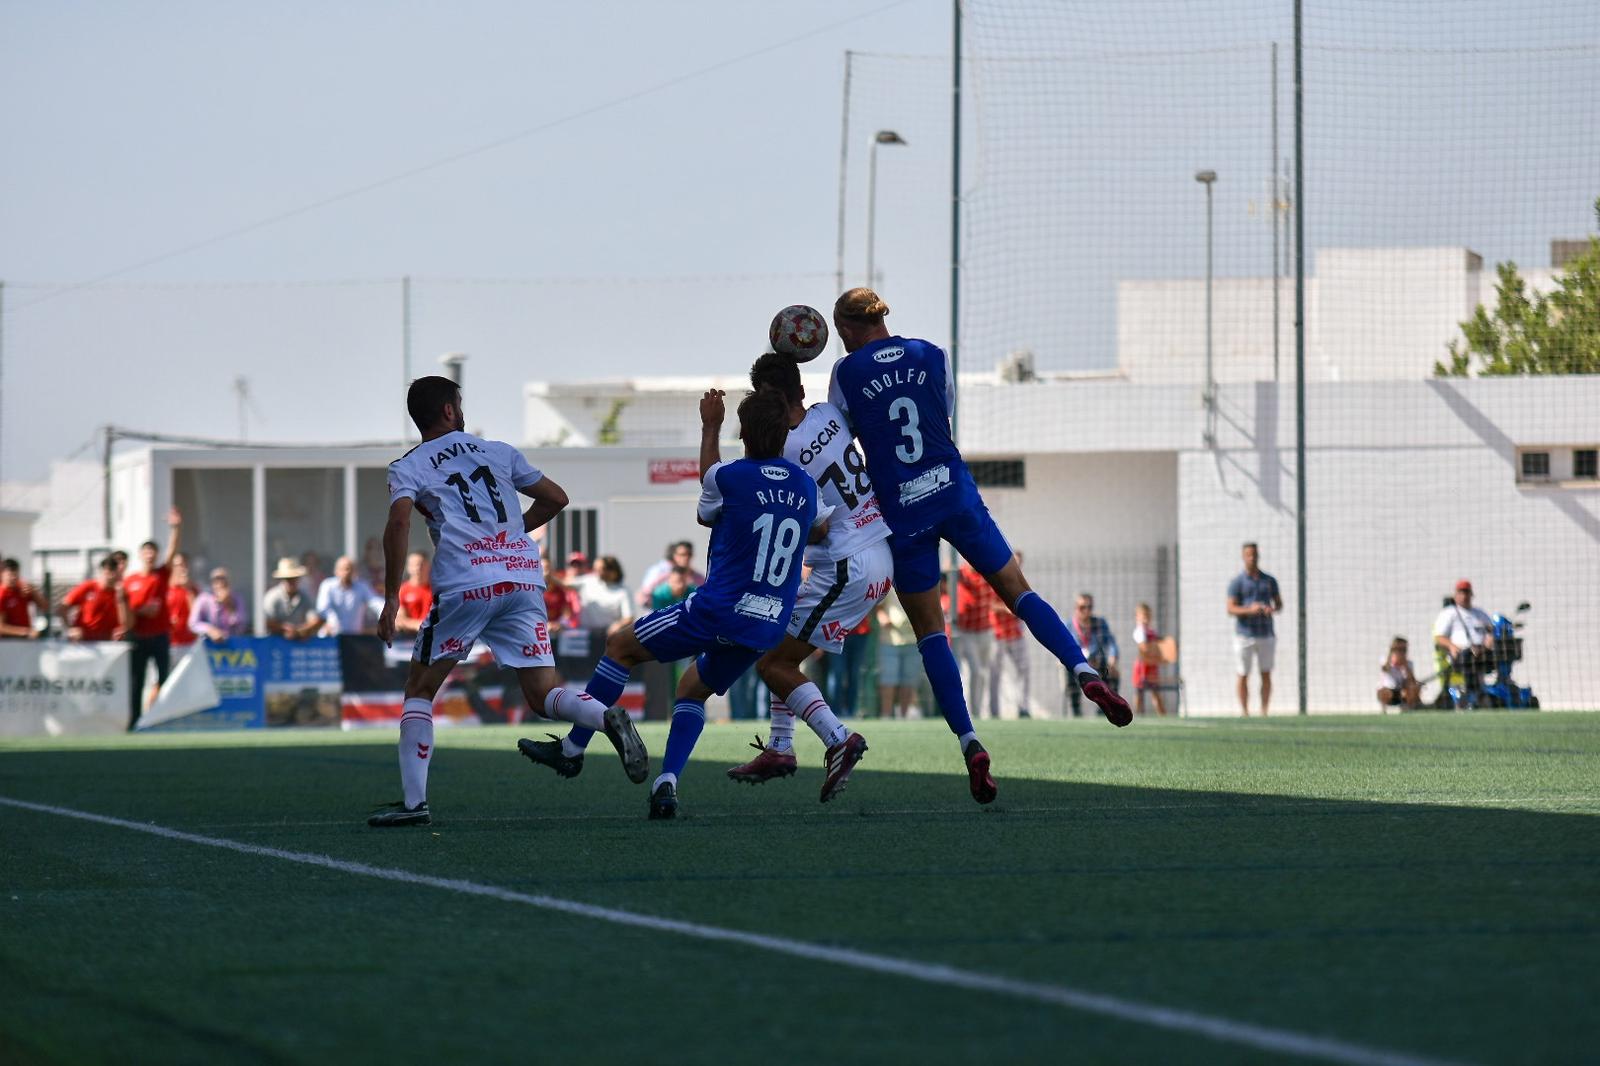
(1411, 487)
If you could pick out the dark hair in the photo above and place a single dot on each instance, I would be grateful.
(426, 398)
(774, 371)
(609, 561)
(680, 571)
(152, 545)
(118, 556)
(109, 562)
(680, 544)
(11, 564)
(764, 423)
(1248, 544)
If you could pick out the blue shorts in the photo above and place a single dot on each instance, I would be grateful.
(676, 632)
(971, 532)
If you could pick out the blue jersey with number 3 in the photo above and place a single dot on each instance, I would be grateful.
(761, 512)
(897, 395)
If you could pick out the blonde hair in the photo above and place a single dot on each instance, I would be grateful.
(860, 305)
(1141, 607)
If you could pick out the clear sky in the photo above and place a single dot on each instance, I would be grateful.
(669, 178)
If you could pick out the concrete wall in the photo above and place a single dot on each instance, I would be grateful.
(1411, 487)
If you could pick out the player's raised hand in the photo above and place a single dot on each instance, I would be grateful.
(386, 621)
(712, 409)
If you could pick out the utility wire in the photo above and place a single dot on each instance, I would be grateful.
(456, 157)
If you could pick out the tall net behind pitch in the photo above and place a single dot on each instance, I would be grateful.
(1110, 144)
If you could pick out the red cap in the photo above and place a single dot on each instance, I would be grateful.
(1463, 585)
(577, 557)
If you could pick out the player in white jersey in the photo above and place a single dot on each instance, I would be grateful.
(851, 570)
(488, 583)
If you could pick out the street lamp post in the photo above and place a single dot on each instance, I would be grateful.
(1208, 178)
(881, 137)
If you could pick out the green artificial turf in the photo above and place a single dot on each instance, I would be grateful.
(1422, 884)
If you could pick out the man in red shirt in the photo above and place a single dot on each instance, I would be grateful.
(416, 595)
(18, 599)
(98, 608)
(151, 631)
(974, 633)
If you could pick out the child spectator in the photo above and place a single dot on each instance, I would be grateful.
(678, 586)
(180, 602)
(1397, 683)
(1147, 670)
(18, 602)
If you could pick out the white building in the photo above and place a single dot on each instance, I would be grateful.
(1116, 483)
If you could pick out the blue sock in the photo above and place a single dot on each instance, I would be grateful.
(688, 719)
(945, 678)
(605, 686)
(1048, 629)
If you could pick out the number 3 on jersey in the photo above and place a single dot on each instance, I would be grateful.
(780, 549)
(910, 451)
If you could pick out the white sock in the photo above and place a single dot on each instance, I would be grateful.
(808, 705)
(964, 739)
(579, 708)
(782, 738)
(665, 777)
(569, 749)
(416, 748)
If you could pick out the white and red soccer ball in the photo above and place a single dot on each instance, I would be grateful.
(800, 332)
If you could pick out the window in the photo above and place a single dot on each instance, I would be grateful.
(1535, 466)
(999, 473)
(577, 529)
(1584, 463)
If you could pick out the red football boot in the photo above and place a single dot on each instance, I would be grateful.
(766, 766)
(984, 790)
(1116, 709)
(842, 758)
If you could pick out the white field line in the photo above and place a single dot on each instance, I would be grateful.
(1264, 1038)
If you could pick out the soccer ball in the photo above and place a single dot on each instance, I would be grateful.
(800, 332)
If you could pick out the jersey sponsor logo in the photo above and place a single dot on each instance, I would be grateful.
(877, 386)
(924, 485)
(500, 542)
(775, 473)
(449, 648)
(868, 514)
(888, 355)
(813, 449)
(878, 590)
(536, 651)
(766, 608)
(833, 632)
(444, 455)
(510, 562)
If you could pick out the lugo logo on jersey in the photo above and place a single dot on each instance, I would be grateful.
(766, 608)
(776, 473)
(888, 355)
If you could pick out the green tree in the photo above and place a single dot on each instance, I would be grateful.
(1534, 333)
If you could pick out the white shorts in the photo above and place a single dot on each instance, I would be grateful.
(509, 617)
(837, 596)
(1253, 650)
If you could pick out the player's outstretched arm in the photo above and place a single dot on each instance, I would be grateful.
(712, 412)
(549, 500)
(396, 541)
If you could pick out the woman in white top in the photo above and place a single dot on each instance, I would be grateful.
(604, 603)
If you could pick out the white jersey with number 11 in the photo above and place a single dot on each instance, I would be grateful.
(466, 489)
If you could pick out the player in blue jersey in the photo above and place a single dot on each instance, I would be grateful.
(762, 511)
(897, 393)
